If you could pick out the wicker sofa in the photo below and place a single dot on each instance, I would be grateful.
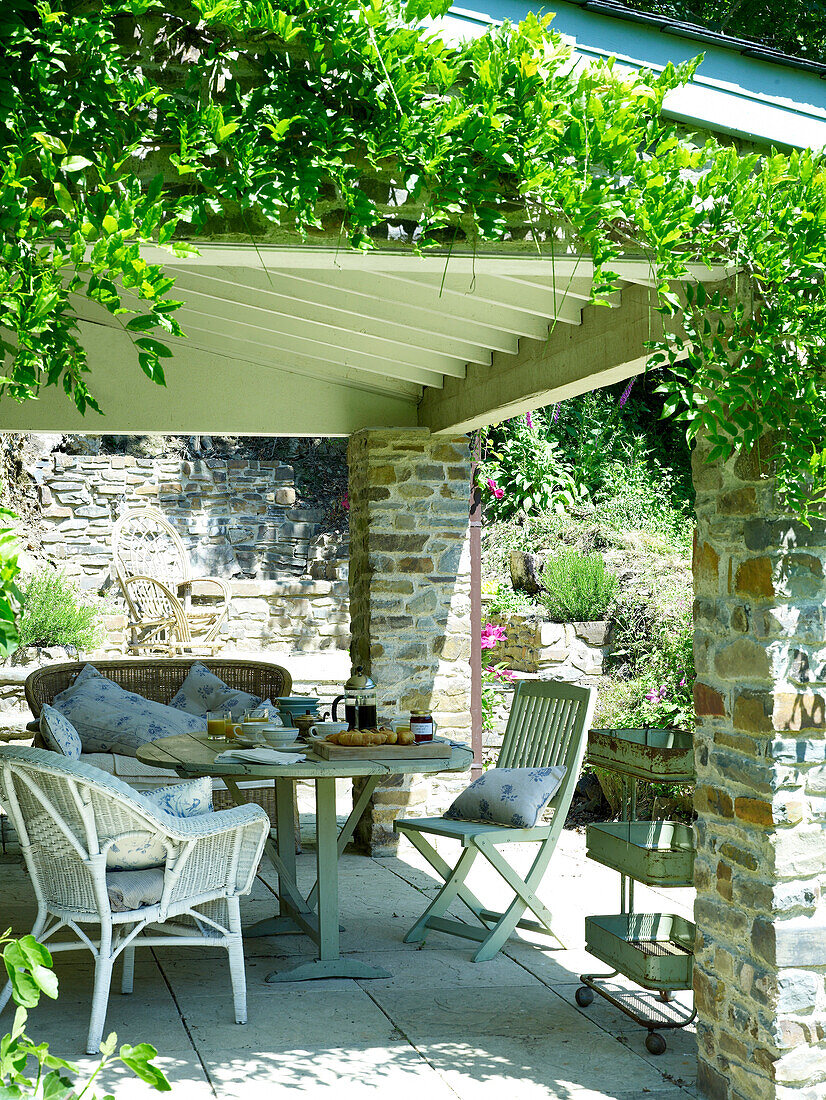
(160, 679)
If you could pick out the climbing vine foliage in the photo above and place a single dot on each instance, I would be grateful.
(132, 126)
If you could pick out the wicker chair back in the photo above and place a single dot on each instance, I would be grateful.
(159, 679)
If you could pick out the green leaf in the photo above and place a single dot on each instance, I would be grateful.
(49, 142)
(139, 1060)
(64, 199)
(143, 323)
(75, 164)
(154, 347)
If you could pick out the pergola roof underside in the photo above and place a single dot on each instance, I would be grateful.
(310, 341)
(385, 323)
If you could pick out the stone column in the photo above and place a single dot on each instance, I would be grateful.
(760, 696)
(410, 590)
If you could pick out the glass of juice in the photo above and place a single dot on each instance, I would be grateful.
(216, 726)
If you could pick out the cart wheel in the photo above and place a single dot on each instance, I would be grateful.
(666, 996)
(584, 995)
(654, 1043)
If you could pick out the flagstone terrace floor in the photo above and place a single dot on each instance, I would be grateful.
(442, 1028)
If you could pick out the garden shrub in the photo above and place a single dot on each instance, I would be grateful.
(638, 494)
(507, 601)
(56, 613)
(523, 471)
(578, 588)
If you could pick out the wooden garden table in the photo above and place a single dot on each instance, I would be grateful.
(317, 915)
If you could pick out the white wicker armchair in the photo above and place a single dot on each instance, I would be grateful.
(68, 815)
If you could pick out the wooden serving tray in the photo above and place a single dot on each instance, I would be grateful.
(427, 750)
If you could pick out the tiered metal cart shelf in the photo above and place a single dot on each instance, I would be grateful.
(654, 950)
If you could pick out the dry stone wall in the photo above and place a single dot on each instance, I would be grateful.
(760, 872)
(238, 519)
(550, 651)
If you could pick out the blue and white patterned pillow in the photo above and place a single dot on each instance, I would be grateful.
(109, 719)
(202, 691)
(59, 733)
(508, 796)
(142, 850)
(183, 799)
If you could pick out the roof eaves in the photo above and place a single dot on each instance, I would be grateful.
(701, 34)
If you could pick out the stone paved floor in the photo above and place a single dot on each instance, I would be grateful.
(441, 1028)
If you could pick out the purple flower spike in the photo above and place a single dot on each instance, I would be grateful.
(556, 413)
(529, 419)
(626, 393)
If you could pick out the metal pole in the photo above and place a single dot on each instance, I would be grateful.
(476, 612)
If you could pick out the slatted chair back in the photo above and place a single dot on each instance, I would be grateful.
(546, 726)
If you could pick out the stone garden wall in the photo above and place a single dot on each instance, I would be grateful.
(551, 651)
(238, 519)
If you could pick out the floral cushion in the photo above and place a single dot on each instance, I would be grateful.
(141, 850)
(59, 733)
(182, 799)
(508, 796)
(109, 719)
(203, 691)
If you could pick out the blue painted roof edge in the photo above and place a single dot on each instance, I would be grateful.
(740, 89)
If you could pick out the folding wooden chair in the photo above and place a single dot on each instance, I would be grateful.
(548, 725)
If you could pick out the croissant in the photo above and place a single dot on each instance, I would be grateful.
(406, 737)
(359, 737)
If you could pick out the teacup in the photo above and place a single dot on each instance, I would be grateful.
(325, 729)
(279, 735)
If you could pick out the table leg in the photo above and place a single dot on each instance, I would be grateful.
(295, 914)
(329, 963)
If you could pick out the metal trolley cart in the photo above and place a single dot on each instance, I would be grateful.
(654, 950)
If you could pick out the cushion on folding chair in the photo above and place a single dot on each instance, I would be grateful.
(508, 796)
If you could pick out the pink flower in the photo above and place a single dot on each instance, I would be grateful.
(492, 634)
(529, 419)
(504, 674)
(345, 502)
(494, 488)
(656, 695)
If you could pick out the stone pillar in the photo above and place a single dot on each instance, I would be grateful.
(760, 697)
(410, 589)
